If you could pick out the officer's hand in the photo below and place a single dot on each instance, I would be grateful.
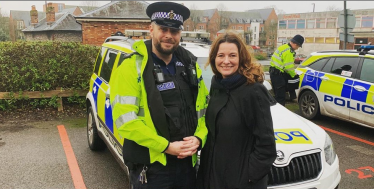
(175, 148)
(190, 147)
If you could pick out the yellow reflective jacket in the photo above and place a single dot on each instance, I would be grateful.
(283, 59)
(138, 110)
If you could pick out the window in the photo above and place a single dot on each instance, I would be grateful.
(106, 68)
(330, 39)
(255, 28)
(262, 29)
(328, 66)
(358, 22)
(282, 24)
(282, 39)
(269, 42)
(98, 59)
(248, 28)
(367, 70)
(367, 22)
(20, 25)
(188, 28)
(240, 28)
(320, 40)
(201, 27)
(122, 57)
(300, 24)
(254, 36)
(344, 64)
(233, 27)
(291, 24)
(310, 24)
(318, 65)
(309, 39)
(321, 23)
(60, 7)
(331, 23)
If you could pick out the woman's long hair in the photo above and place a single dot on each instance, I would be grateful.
(247, 65)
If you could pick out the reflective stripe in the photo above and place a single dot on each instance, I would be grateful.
(286, 64)
(294, 80)
(200, 113)
(141, 112)
(276, 63)
(125, 118)
(290, 69)
(131, 100)
(277, 57)
(139, 64)
(280, 54)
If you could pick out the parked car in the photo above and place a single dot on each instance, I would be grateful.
(338, 84)
(299, 58)
(305, 153)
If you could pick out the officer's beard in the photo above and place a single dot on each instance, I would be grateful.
(166, 51)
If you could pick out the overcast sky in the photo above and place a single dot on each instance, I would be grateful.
(286, 6)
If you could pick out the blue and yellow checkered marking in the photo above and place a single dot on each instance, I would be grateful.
(95, 90)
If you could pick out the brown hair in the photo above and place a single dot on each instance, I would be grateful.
(247, 65)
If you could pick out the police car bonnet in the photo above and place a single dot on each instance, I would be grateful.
(168, 14)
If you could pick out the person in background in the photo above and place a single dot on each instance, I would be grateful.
(159, 100)
(282, 68)
(240, 148)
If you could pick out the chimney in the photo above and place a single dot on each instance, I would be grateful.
(34, 16)
(50, 14)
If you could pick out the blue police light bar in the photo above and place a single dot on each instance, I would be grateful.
(367, 47)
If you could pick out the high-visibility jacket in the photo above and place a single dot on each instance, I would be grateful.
(138, 110)
(283, 59)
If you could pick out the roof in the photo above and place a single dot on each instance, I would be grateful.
(64, 22)
(242, 17)
(69, 10)
(119, 9)
(83, 8)
(265, 13)
(202, 13)
(25, 16)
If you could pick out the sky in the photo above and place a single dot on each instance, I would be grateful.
(288, 7)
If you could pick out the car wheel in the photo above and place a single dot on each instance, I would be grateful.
(309, 105)
(94, 141)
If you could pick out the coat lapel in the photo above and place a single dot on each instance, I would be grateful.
(155, 102)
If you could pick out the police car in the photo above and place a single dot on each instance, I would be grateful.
(305, 152)
(338, 84)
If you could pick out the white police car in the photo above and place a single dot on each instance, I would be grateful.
(305, 153)
(338, 84)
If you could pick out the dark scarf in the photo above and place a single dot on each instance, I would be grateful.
(232, 81)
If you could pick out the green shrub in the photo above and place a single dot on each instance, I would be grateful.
(260, 56)
(43, 66)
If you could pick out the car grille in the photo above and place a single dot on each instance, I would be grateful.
(300, 169)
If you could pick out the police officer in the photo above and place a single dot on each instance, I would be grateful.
(159, 101)
(282, 68)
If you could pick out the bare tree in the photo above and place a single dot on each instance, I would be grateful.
(271, 28)
(89, 5)
(4, 27)
(333, 8)
(224, 16)
(195, 16)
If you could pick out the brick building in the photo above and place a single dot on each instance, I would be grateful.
(55, 27)
(104, 21)
(19, 20)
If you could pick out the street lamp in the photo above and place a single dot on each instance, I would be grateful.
(314, 5)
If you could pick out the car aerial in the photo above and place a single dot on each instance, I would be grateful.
(299, 58)
(305, 152)
(338, 84)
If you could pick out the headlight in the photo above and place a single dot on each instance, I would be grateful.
(329, 150)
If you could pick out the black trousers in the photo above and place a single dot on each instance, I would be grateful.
(177, 174)
(279, 83)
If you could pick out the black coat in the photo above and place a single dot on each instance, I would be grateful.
(240, 144)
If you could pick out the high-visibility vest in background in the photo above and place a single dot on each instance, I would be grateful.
(283, 59)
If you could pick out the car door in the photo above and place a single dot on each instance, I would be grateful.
(336, 85)
(362, 99)
(104, 109)
(311, 78)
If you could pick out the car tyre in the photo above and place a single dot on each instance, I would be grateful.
(309, 105)
(94, 141)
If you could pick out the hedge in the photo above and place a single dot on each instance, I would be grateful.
(43, 66)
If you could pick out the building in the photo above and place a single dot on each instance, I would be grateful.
(104, 21)
(321, 30)
(19, 20)
(54, 27)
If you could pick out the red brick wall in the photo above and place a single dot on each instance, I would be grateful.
(94, 33)
(272, 16)
(213, 26)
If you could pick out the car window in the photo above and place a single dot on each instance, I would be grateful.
(106, 68)
(122, 57)
(328, 65)
(345, 66)
(367, 70)
(98, 60)
(318, 65)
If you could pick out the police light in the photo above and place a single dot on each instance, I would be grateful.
(367, 47)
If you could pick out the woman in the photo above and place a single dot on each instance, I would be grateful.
(240, 147)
